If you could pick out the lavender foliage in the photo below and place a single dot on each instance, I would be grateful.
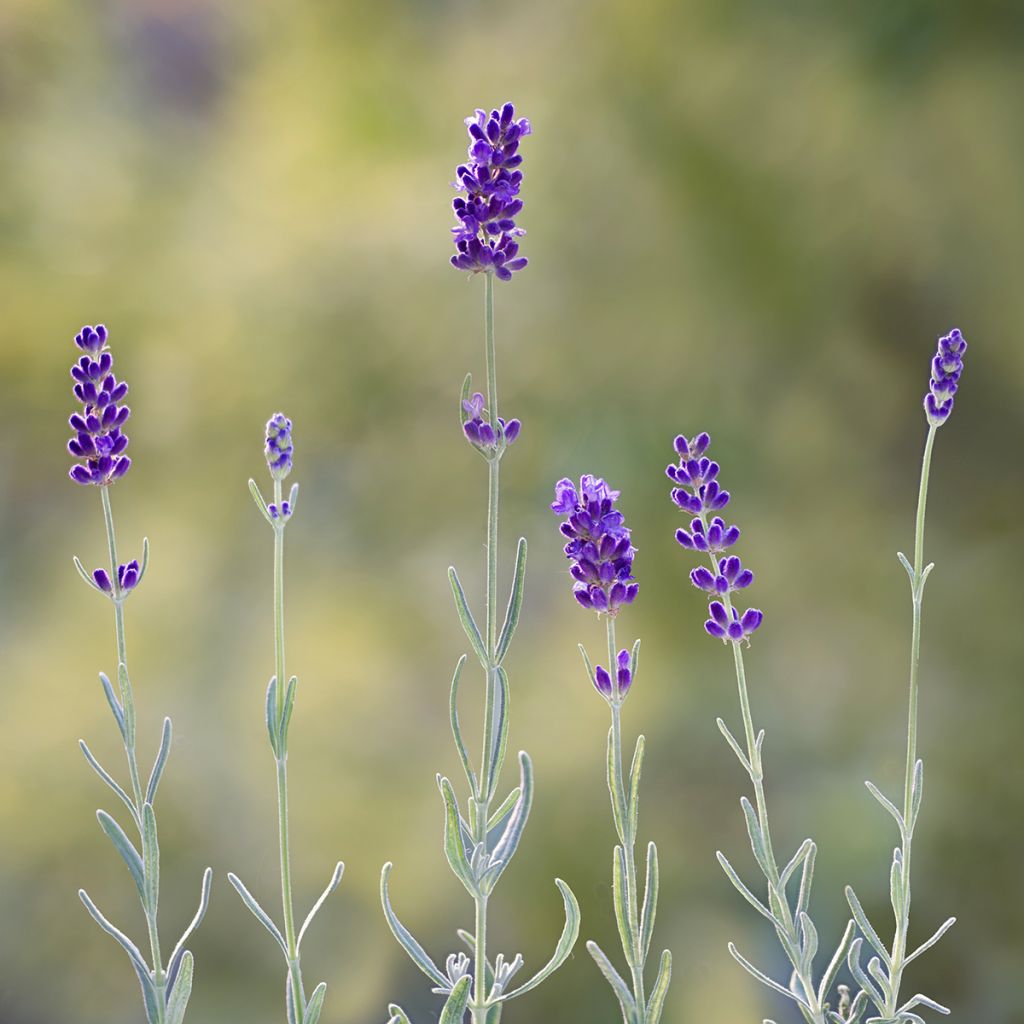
(488, 203)
(98, 441)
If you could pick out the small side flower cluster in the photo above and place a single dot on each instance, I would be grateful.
(599, 545)
(485, 237)
(98, 441)
(698, 493)
(480, 433)
(279, 445)
(623, 677)
(947, 366)
(128, 577)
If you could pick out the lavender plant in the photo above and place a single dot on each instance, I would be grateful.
(698, 493)
(601, 551)
(280, 702)
(480, 843)
(882, 981)
(99, 445)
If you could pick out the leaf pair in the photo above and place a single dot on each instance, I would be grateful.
(279, 715)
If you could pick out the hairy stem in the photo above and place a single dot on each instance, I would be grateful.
(899, 943)
(128, 698)
(294, 971)
(620, 796)
(479, 1005)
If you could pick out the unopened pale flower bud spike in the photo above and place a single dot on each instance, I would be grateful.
(698, 492)
(99, 445)
(480, 841)
(279, 702)
(601, 551)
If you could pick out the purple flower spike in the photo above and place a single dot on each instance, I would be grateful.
(698, 492)
(485, 237)
(479, 431)
(98, 441)
(599, 545)
(947, 366)
(279, 447)
(623, 677)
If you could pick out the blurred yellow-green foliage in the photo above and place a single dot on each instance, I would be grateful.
(751, 218)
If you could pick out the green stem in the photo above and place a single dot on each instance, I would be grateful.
(789, 929)
(626, 836)
(294, 970)
(479, 1007)
(899, 944)
(128, 698)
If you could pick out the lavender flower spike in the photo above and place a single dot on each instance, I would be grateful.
(279, 445)
(698, 493)
(485, 238)
(599, 545)
(479, 431)
(601, 553)
(947, 366)
(98, 441)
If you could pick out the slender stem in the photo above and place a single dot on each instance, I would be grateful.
(294, 970)
(479, 1006)
(627, 837)
(159, 976)
(899, 942)
(789, 930)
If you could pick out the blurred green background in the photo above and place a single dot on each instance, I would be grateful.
(748, 218)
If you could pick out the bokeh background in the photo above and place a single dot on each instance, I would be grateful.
(749, 218)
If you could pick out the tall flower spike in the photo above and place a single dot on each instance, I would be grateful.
(698, 493)
(599, 545)
(947, 366)
(278, 448)
(485, 237)
(98, 442)
(601, 553)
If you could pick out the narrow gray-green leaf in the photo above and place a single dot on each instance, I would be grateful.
(515, 603)
(257, 911)
(453, 712)
(180, 992)
(498, 816)
(853, 962)
(943, 928)
(657, 1001)
(829, 977)
(126, 849)
(419, 956)
(110, 781)
(787, 872)
(756, 836)
(916, 793)
(500, 731)
(877, 972)
(151, 857)
(84, 573)
(865, 927)
(920, 1000)
(764, 979)
(586, 663)
(179, 950)
(803, 899)
(145, 559)
(273, 723)
(160, 763)
(509, 841)
(650, 907)
(315, 1004)
(736, 748)
(635, 770)
(286, 713)
(888, 805)
(896, 887)
(115, 704)
(466, 618)
(570, 932)
(260, 501)
(620, 904)
(141, 968)
(454, 847)
(618, 798)
(467, 390)
(331, 886)
(733, 877)
(128, 704)
(455, 1006)
(809, 946)
(634, 659)
(619, 987)
(398, 1015)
